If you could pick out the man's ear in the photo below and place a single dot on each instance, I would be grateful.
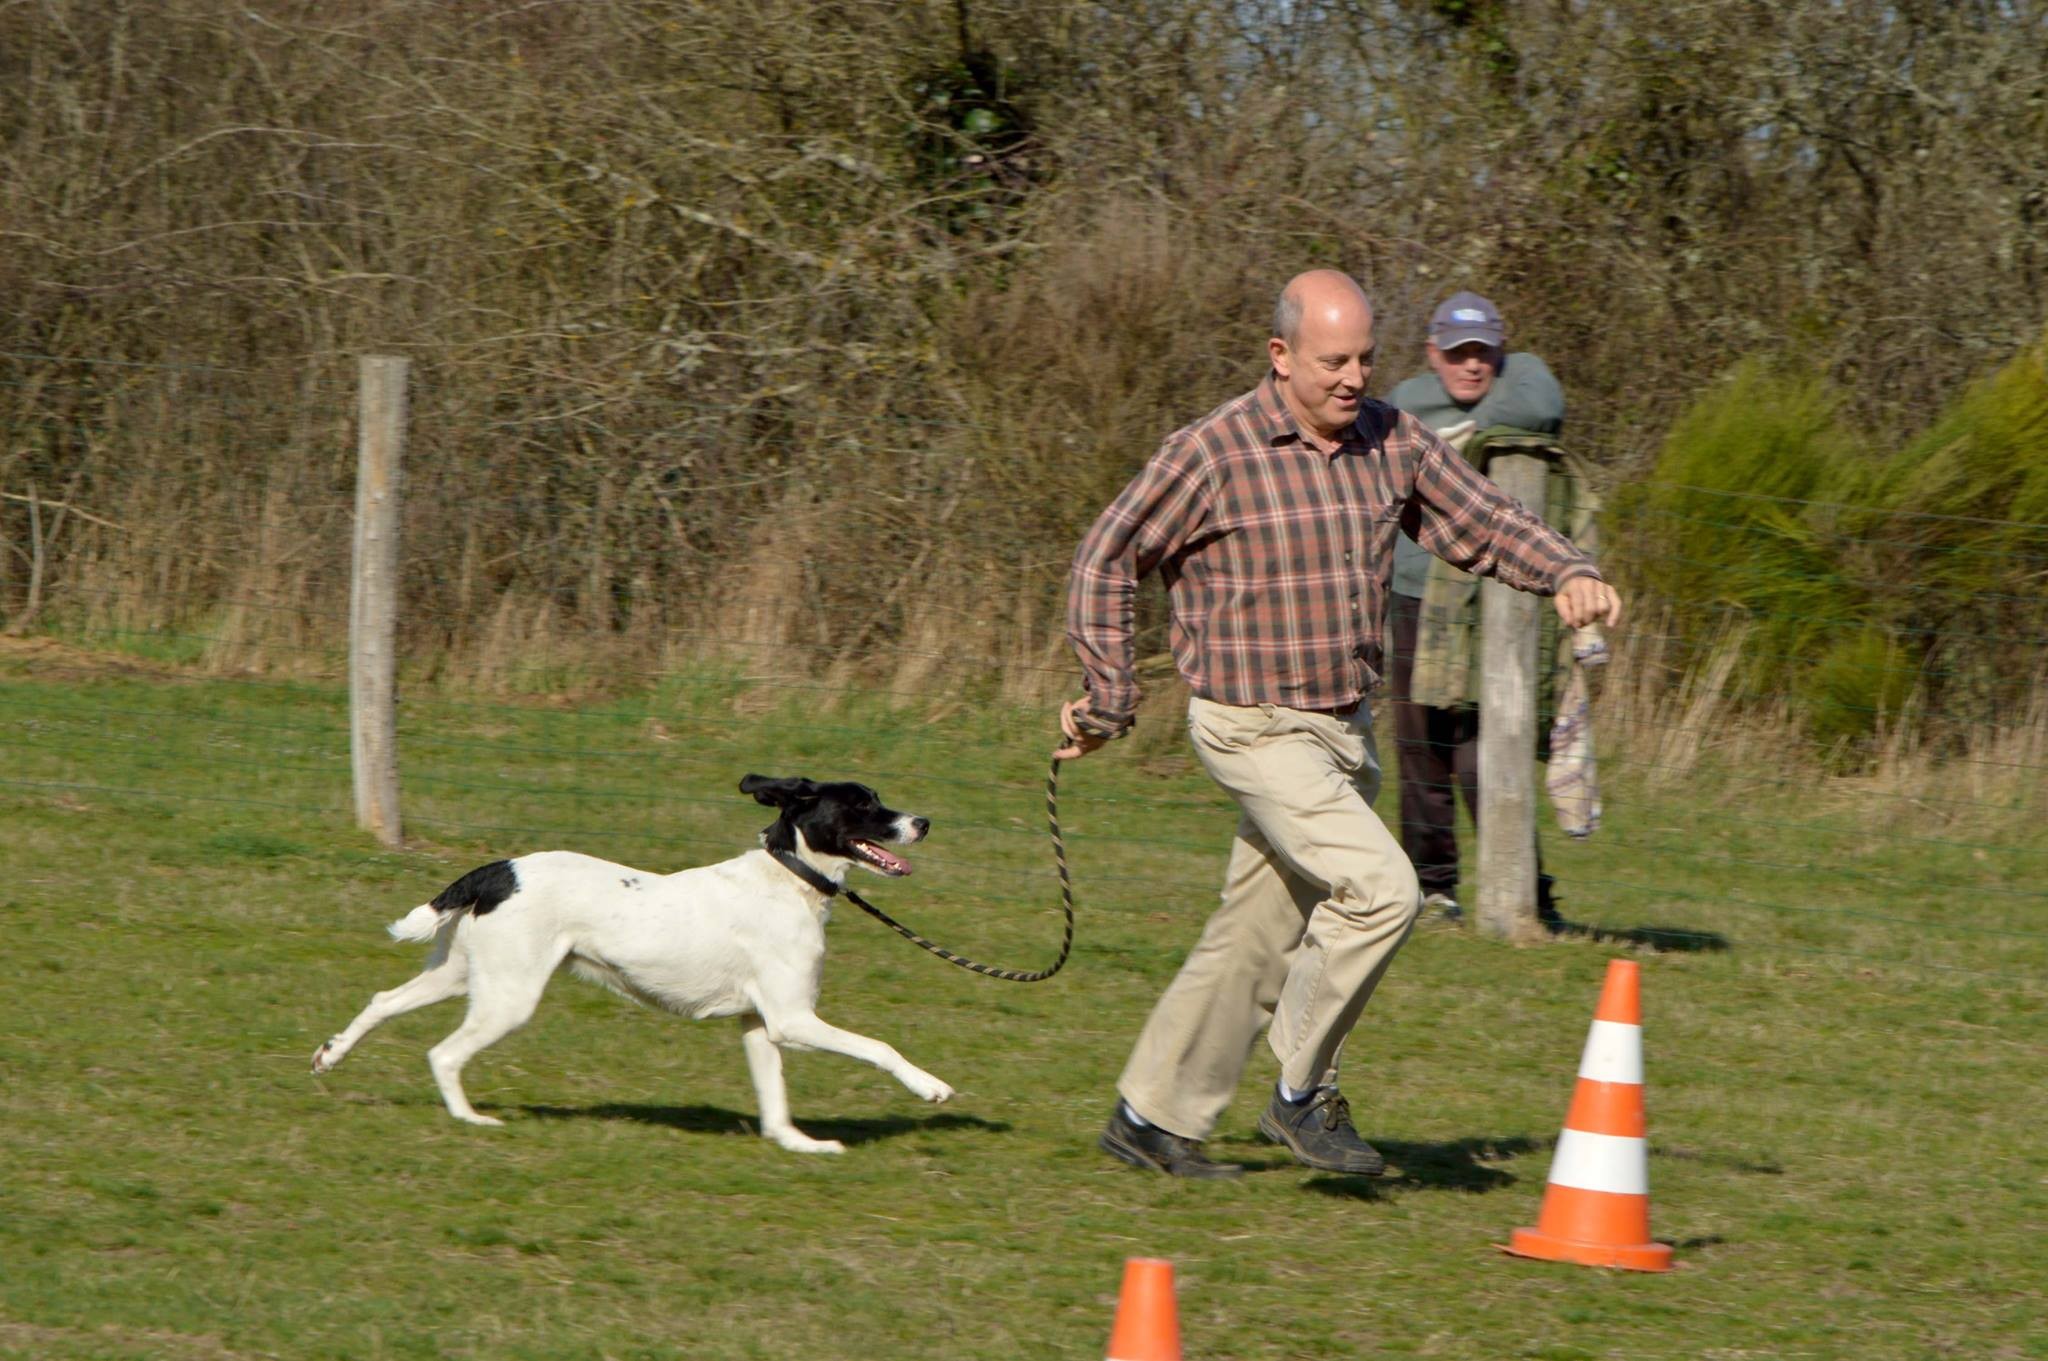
(777, 791)
(1276, 350)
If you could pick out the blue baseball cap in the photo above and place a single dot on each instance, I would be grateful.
(1463, 318)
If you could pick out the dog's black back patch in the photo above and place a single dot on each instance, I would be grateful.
(480, 890)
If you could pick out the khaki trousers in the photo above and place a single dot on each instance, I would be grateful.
(1317, 899)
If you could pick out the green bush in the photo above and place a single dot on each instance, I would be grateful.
(1862, 580)
(1966, 504)
(1860, 681)
(1954, 546)
(1723, 532)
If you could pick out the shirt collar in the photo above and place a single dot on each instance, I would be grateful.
(1280, 424)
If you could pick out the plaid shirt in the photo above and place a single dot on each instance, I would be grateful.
(1277, 556)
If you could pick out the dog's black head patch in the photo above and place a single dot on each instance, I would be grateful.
(838, 820)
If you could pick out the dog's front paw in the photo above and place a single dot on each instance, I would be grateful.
(487, 1121)
(326, 1058)
(803, 1143)
(928, 1088)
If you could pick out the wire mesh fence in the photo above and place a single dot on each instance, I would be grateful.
(595, 663)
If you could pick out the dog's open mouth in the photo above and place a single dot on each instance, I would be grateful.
(879, 860)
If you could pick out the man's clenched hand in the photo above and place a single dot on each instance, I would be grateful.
(1587, 600)
(1079, 743)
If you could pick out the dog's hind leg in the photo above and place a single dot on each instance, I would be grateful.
(446, 979)
(764, 1062)
(502, 997)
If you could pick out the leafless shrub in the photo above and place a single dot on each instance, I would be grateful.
(827, 325)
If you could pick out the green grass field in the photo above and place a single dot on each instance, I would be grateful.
(1846, 1102)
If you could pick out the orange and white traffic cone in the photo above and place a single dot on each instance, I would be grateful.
(1596, 1209)
(1147, 1322)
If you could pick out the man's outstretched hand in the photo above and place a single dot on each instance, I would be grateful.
(1079, 743)
(1587, 600)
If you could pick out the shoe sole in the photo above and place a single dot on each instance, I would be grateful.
(1271, 1129)
(1136, 1157)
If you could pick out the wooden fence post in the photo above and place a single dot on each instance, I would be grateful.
(373, 598)
(1508, 622)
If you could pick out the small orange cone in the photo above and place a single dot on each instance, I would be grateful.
(1147, 1324)
(1596, 1209)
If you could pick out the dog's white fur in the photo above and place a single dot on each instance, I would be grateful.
(744, 937)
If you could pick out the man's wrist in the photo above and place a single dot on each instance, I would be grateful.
(1104, 727)
(1572, 573)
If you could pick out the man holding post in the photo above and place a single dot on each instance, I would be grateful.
(1473, 384)
(1272, 521)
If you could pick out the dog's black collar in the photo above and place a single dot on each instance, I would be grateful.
(795, 865)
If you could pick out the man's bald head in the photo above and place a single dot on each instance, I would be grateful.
(1322, 350)
(1325, 293)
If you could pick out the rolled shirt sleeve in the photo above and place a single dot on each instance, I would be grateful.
(1463, 518)
(1158, 512)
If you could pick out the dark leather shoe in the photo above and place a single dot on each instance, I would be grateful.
(1157, 1150)
(1317, 1131)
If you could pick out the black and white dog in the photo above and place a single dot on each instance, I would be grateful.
(744, 937)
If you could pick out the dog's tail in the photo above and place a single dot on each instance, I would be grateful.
(476, 892)
(420, 924)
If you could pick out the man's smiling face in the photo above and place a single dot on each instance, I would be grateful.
(1324, 367)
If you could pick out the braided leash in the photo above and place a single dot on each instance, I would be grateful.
(1059, 855)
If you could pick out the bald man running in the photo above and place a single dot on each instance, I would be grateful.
(1272, 521)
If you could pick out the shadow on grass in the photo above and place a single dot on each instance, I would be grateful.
(1731, 1161)
(1466, 1165)
(1471, 1166)
(1673, 939)
(718, 1120)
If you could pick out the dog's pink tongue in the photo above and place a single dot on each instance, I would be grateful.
(893, 864)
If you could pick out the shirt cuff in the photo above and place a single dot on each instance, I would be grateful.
(1577, 569)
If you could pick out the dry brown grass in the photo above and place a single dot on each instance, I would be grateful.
(1670, 720)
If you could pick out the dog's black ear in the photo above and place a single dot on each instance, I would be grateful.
(777, 791)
